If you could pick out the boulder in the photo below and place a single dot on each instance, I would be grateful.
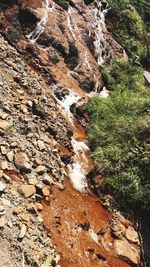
(127, 252)
(132, 235)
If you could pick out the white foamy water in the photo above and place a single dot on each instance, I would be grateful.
(70, 21)
(40, 27)
(77, 170)
(86, 62)
(66, 103)
(98, 25)
(104, 93)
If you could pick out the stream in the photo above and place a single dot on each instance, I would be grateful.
(77, 208)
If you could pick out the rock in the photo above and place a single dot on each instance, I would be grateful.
(47, 179)
(2, 222)
(2, 210)
(41, 169)
(25, 217)
(39, 206)
(5, 125)
(3, 115)
(10, 156)
(31, 208)
(2, 187)
(59, 186)
(22, 162)
(45, 191)
(22, 232)
(6, 178)
(27, 190)
(41, 145)
(4, 165)
(127, 251)
(3, 150)
(18, 210)
(32, 181)
(38, 161)
(132, 235)
(57, 259)
(1, 174)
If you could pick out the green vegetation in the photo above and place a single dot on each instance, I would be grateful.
(119, 133)
(62, 3)
(132, 27)
(54, 59)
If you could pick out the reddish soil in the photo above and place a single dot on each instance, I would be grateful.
(67, 210)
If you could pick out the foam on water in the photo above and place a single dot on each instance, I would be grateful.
(98, 25)
(104, 93)
(40, 27)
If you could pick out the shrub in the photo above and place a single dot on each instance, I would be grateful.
(132, 27)
(119, 133)
(62, 3)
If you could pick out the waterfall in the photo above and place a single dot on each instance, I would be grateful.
(40, 27)
(98, 24)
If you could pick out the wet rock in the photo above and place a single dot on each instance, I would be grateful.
(5, 125)
(27, 190)
(22, 231)
(22, 162)
(127, 251)
(132, 235)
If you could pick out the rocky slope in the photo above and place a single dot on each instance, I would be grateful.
(49, 67)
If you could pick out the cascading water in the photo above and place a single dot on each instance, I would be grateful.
(79, 168)
(40, 27)
(71, 22)
(98, 25)
(86, 62)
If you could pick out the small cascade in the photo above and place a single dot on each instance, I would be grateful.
(70, 21)
(86, 62)
(66, 103)
(104, 93)
(79, 168)
(98, 24)
(40, 27)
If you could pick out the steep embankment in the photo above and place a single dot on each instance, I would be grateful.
(48, 69)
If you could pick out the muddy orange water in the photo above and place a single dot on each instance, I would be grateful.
(63, 216)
